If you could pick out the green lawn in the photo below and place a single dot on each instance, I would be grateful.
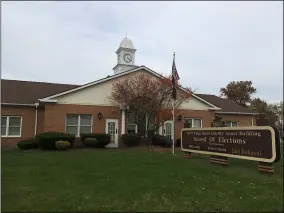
(133, 180)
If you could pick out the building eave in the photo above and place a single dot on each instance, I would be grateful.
(215, 108)
(47, 100)
(238, 113)
(17, 104)
(125, 48)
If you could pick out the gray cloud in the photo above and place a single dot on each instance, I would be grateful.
(215, 42)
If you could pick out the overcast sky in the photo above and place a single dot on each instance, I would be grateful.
(215, 42)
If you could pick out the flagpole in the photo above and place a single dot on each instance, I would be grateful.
(173, 102)
(173, 126)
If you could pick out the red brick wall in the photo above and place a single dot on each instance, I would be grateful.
(206, 116)
(55, 114)
(244, 120)
(52, 118)
(28, 124)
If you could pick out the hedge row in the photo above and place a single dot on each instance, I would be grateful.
(134, 139)
(27, 144)
(101, 140)
(47, 140)
(62, 141)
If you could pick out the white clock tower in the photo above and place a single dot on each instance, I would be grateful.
(125, 56)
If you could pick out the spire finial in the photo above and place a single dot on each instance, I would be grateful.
(126, 35)
(174, 55)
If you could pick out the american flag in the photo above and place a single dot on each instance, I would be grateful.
(174, 72)
(175, 78)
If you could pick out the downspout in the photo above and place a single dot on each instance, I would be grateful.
(36, 105)
(252, 123)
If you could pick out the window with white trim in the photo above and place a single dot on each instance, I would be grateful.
(11, 126)
(231, 123)
(76, 124)
(131, 123)
(194, 122)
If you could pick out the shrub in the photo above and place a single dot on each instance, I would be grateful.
(160, 140)
(178, 142)
(132, 139)
(27, 144)
(91, 142)
(168, 142)
(62, 145)
(103, 139)
(47, 140)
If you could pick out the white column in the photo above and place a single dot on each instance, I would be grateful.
(123, 121)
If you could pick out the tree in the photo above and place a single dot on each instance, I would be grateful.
(277, 109)
(145, 95)
(240, 92)
(269, 114)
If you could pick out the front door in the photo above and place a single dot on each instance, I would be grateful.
(112, 130)
(167, 129)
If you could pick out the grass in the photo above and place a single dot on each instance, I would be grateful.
(133, 180)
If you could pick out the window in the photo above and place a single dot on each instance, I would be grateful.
(11, 126)
(151, 122)
(76, 124)
(193, 122)
(231, 123)
(131, 123)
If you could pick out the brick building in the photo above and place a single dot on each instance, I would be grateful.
(28, 108)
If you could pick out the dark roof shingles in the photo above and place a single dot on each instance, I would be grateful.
(226, 105)
(28, 92)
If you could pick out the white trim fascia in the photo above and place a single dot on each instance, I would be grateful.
(15, 104)
(116, 76)
(213, 106)
(126, 65)
(125, 48)
(217, 108)
(198, 109)
(92, 83)
(47, 100)
(91, 104)
(239, 113)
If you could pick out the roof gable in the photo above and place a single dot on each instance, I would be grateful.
(144, 68)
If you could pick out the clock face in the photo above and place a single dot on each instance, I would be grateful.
(127, 58)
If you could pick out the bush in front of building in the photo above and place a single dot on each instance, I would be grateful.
(132, 139)
(178, 142)
(102, 138)
(91, 142)
(47, 140)
(27, 144)
(161, 140)
(62, 145)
